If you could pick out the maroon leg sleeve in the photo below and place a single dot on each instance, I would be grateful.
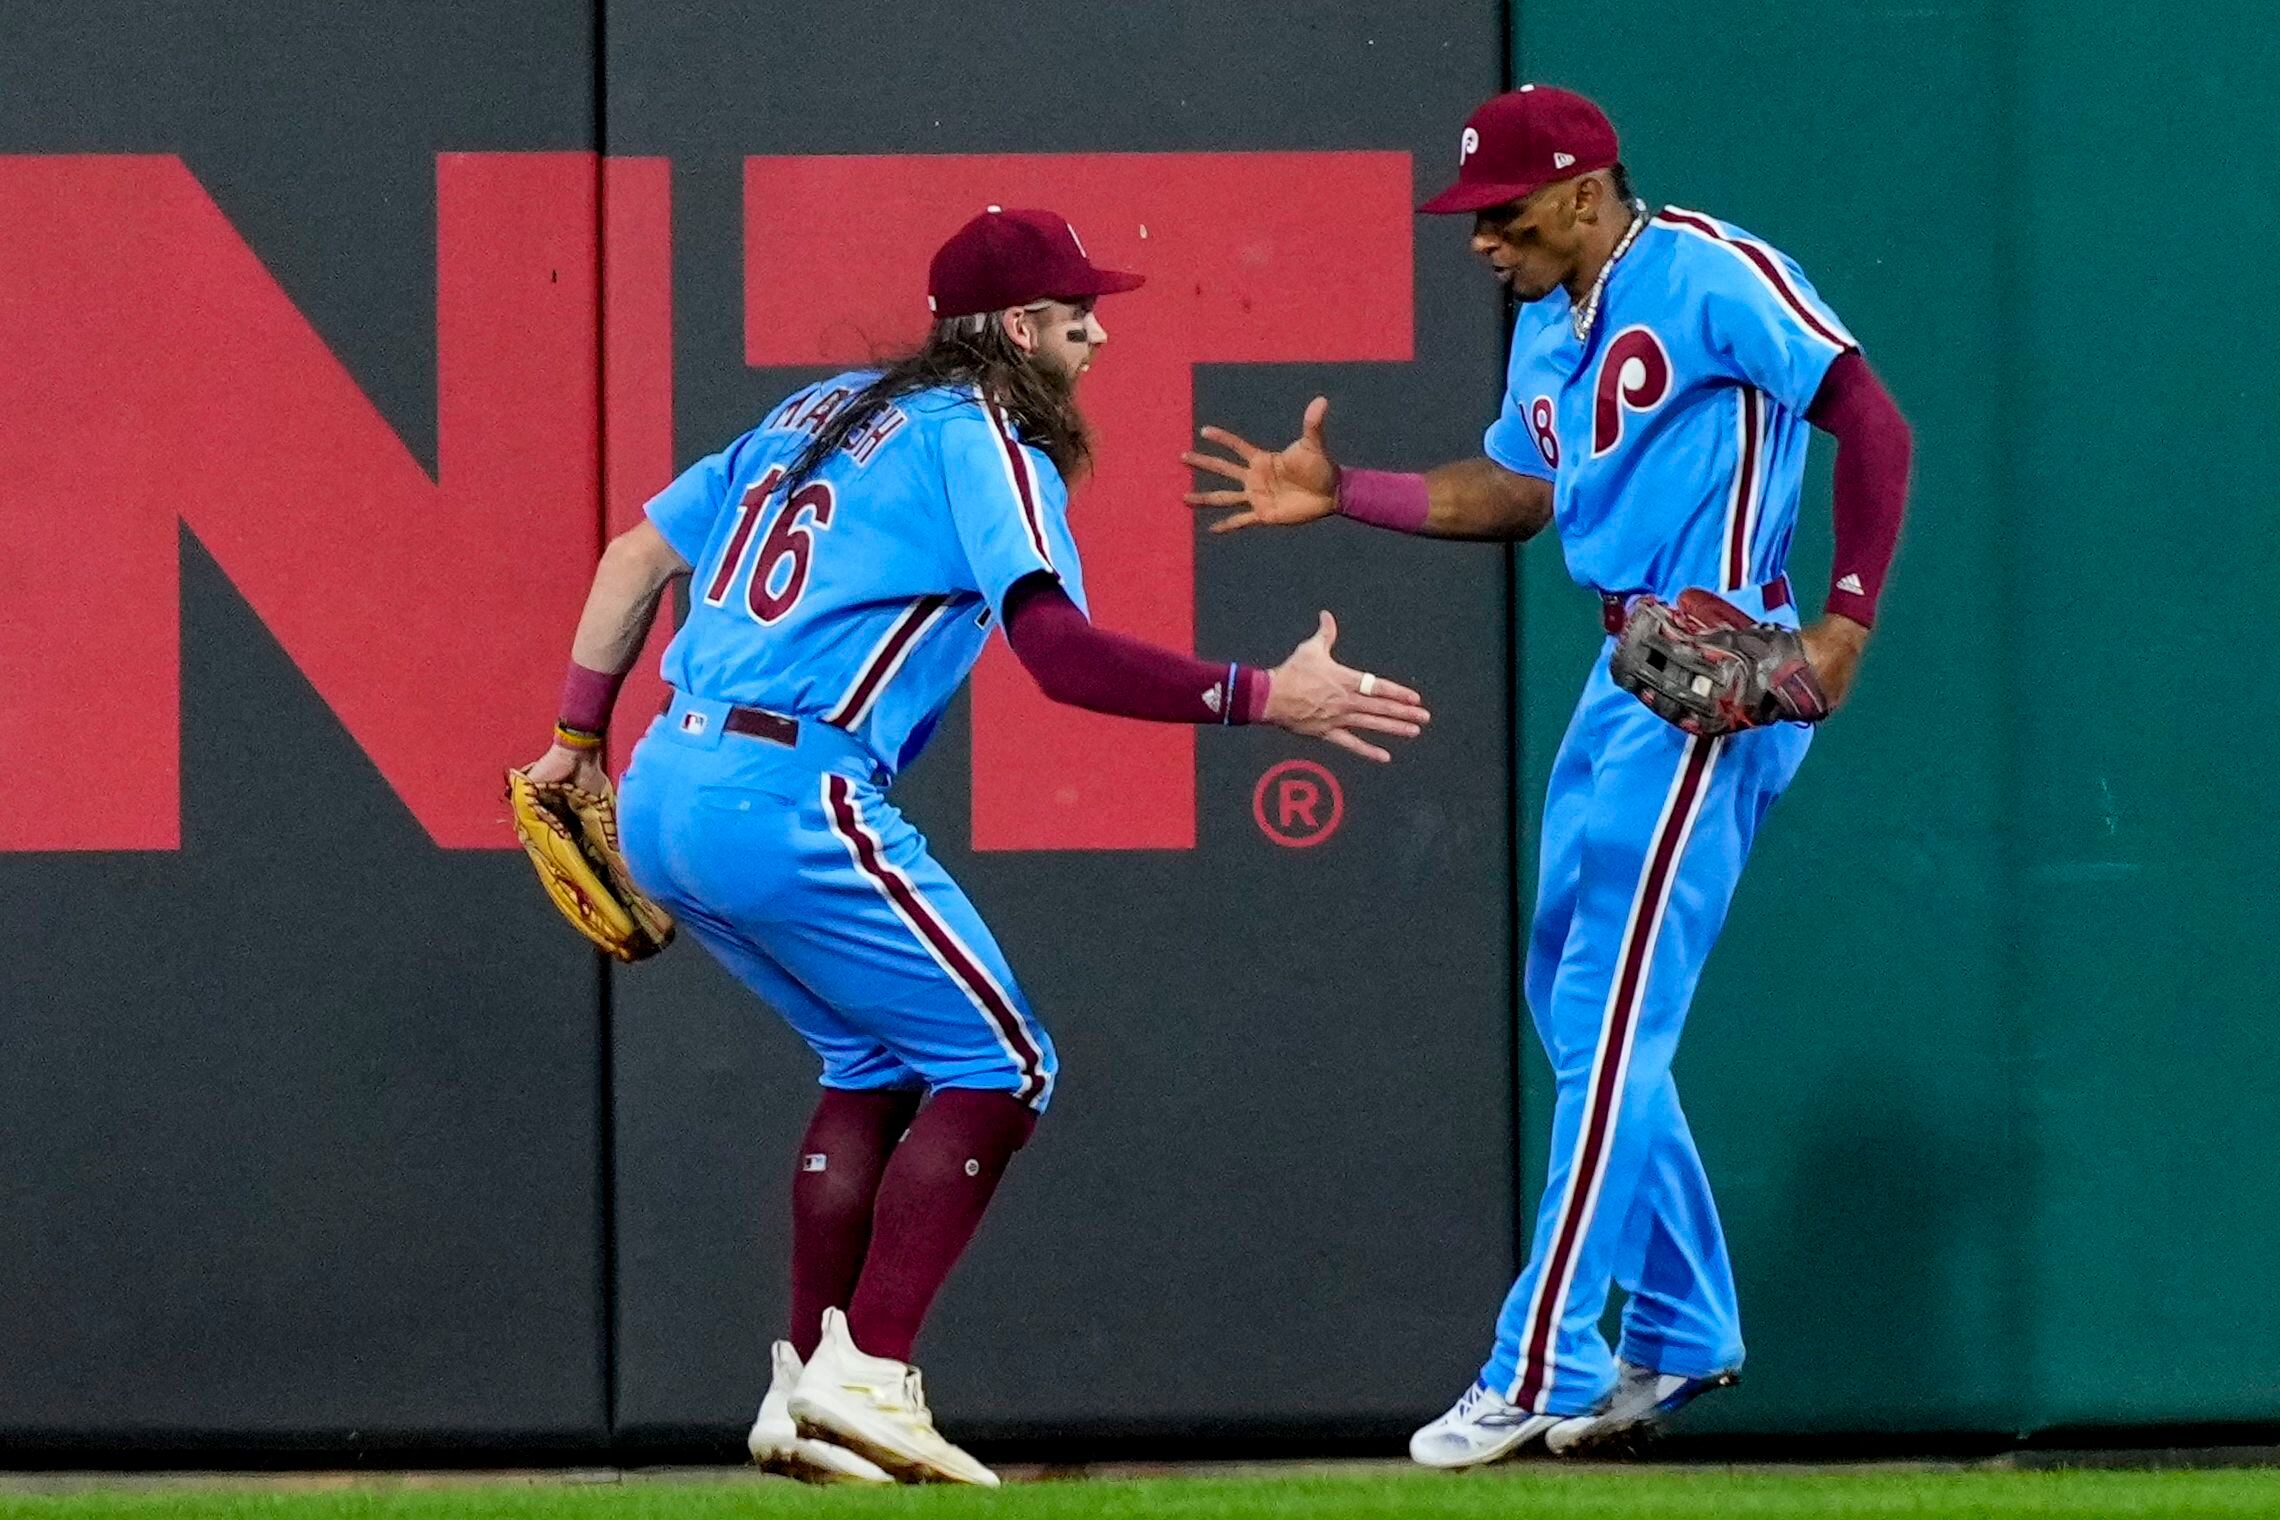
(842, 1158)
(936, 1188)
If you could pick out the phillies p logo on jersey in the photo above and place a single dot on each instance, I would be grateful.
(1634, 375)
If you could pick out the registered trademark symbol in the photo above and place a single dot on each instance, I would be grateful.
(1298, 804)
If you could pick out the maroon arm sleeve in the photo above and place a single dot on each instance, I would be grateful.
(1074, 662)
(1873, 449)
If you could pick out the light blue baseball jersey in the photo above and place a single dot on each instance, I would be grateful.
(863, 597)
(1675, 441)
(1675, 436)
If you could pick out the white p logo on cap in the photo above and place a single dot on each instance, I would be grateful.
(1467, 146)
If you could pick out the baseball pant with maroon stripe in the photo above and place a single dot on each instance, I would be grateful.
(1645, 833)
(789, 864)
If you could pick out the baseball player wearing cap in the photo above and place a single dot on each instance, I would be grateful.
(849, 556)
(1664, 370)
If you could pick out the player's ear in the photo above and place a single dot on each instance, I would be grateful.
(1018, 328)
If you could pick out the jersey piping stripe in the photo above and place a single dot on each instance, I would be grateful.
(1767, 268)
(1749, 488)
(886, 659)
(1603, 1098)
(941, 941)
(1020, 476)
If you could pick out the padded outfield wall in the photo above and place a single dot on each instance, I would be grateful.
(1983, 1067)
(332, 345)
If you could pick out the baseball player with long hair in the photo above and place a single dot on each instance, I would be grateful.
(1665, 370)
(849, 557)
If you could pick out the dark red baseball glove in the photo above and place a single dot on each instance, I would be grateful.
(1708, 667)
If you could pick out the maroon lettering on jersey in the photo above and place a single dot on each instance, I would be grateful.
(780, 576)
(747, 516)
(1541, 426)
(865, 440)
(1634, 375)
(819, 411)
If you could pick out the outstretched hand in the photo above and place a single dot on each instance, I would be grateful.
(1297, 485)
(1312, 694)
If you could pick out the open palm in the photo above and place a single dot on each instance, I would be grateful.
(1296, 485)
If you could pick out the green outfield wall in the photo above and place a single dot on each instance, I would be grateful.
(1985, 1068)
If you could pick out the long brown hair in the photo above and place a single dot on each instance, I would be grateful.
(968, 351)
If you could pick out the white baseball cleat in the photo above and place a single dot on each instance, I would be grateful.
(1482, 1427)
(777, 1445)
(876, 1406)
(1642, 1400)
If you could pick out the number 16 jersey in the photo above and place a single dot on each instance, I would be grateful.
(863, 596)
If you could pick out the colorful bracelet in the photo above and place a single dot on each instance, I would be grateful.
(576, 738)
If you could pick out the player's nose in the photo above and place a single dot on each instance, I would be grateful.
(1095, 334)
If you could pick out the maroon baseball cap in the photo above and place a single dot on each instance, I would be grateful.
(1008, 258)
(1522, 141)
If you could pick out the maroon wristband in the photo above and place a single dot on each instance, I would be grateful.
(587, 697)
(1251, 688)
(1385, 499)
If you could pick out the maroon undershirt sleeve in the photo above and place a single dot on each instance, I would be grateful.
(1873, 449)
(1074, 662)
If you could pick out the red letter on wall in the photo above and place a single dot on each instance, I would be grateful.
(151, 372)
(1240, 270)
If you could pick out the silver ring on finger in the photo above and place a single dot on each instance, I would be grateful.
(1369, 684)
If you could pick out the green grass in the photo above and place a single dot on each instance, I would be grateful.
(1634, 1495)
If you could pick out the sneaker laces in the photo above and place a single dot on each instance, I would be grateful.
(1485, 1407)
(914, 1396)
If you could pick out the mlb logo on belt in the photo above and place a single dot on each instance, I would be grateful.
(692, 723)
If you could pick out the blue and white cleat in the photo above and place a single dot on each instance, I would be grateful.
(1482, 1427)
(1642, 1400)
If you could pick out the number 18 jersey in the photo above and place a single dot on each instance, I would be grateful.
(863, 596)
(1674, 436)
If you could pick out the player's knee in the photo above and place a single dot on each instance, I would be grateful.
(1005, 1120)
